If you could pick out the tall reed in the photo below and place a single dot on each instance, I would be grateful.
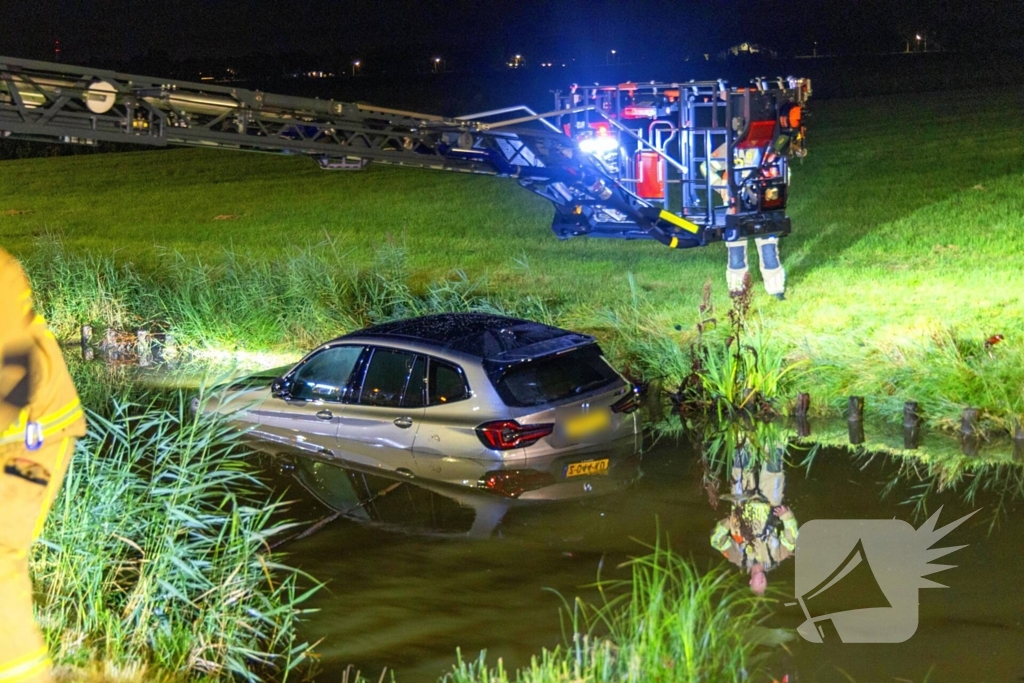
(155, 558)
(736, 368)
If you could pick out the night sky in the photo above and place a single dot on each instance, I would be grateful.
(487, 32)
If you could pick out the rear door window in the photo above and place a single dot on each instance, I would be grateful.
(417, 386)
(446, 383)
(393, 379)
(553, 378)
(325, 375)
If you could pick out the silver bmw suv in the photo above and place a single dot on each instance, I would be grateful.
(472, 399)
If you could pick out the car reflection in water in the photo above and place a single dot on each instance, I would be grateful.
(413, 504)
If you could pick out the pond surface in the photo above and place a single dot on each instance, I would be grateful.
(414, 574)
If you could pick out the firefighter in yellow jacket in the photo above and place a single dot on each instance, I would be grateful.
(736, 271)
(751, 537)
(40, 417)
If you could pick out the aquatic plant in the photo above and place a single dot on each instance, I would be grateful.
(154, 562)
(735, 369)
(668, 622)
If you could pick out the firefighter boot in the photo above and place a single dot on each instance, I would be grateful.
(771, 481)
(736, 271)
(771, 267)
(742, 473)
(29, 482)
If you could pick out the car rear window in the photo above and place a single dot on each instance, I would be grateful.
(554, 378)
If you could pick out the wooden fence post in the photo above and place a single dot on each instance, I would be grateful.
(1018, 440)
(87, 352)
(142, 349)
(970, 439)
(855, 420)
(911, 425)
(109, 345)
(803, 406)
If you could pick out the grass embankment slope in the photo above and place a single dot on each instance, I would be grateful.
(906, 254)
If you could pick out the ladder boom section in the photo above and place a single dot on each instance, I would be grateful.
(547, 153)
(55, 102)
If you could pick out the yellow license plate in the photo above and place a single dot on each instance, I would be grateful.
(587, 424)
(578, 469)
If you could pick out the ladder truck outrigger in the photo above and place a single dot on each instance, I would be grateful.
(686, 163)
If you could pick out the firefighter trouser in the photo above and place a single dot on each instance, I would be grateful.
(768, 256)
(770, 479)
(28, 485)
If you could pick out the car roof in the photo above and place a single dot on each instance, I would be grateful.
(482, 335)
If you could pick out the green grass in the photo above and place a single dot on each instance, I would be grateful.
(154, 563)
(905, 256)
(668, 622)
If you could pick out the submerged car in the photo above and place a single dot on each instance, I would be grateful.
(472, 399)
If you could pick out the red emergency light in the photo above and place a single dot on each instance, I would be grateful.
(633, 112)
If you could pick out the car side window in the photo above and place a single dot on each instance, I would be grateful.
(446, 384)
(390, 379)
(325, 376)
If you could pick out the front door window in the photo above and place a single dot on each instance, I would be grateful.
(325, 376)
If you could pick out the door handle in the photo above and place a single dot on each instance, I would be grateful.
(403, 422)
(325, 415)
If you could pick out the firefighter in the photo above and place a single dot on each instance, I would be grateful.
(760, 531)
(40, 417)
(751, 539)
(772, 272)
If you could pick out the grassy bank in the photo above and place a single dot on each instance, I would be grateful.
(904, 260)
(154, 563)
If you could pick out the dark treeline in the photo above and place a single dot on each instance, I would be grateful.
(460, 92)
(403, 35)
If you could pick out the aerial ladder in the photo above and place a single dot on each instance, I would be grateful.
(686, 164)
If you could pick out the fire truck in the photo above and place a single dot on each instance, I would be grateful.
(686, 164)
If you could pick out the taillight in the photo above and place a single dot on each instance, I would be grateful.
(513, 483)
(628, 403)
(502, 435)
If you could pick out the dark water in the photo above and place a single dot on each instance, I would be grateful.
(405, 589)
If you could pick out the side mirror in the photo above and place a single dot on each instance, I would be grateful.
(280, 388)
